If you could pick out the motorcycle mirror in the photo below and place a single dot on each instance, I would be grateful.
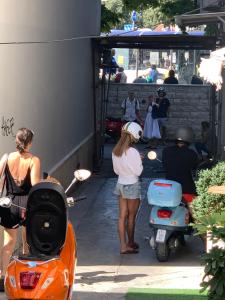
(152, 155)
(82, 174)
(5, 202)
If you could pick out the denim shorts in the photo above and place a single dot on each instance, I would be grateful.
(128, 191)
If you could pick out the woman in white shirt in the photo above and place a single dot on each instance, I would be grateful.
(127, 164)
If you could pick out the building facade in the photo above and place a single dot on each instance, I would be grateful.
(46, 79)
(212, 5)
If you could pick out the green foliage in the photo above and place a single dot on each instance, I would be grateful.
(139, 4)
(206, 204)
(118, 12)
(109, 19)
(167, 8)
(214, 278)
(212, 30)
(152, 17)
(214, 261)
(209, 212)
(214, 223)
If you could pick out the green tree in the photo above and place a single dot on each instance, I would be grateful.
(161, 9)
(152, 17)
(109, 19)
(118, 12)
(118, 8)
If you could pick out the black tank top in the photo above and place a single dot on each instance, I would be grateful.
(15, 189)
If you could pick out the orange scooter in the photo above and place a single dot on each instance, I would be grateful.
(48, 271)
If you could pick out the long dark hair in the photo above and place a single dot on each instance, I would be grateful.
(24, 137)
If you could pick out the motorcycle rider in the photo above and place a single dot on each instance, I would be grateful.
(179, 161)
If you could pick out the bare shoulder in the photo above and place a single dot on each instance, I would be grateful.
(36, 160)
(12, 155)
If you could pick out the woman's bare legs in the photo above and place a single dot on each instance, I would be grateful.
(10, 238)
(24, 240)
(123, 213)
(133, 205)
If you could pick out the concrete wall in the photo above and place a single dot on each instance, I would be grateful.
(44, 84)
(190, 104)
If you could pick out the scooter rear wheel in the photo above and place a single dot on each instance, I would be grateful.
(162, 252)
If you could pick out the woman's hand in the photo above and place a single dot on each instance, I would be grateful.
(142, 156)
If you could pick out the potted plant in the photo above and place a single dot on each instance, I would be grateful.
(214, 261)
(207, 203)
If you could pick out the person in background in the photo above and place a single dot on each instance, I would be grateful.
(121, 77)
(127, 164)
(205, 144)
(153, 75)
(196, 80)
(151, 127)
(140, 79)
(171, 79)
(179, 161)
(131, 109)
(163, 110)
(112, 66)
(22, 171)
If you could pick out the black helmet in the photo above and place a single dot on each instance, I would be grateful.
(184, 134)
(161, 91)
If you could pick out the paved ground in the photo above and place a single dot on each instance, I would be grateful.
(102, 273)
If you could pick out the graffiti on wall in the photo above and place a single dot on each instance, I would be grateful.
(7, 126)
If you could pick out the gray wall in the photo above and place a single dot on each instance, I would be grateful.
(47, 86)
(190, 104)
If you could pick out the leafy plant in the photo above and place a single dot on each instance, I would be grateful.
(214, 261)
(214, 277)
(206, 204)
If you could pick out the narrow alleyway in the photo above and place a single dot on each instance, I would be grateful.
(102, 273)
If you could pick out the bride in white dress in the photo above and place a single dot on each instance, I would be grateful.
(151, 127)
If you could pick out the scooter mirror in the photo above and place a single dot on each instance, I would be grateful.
(82, 174)
(152, 155)
(5, 202)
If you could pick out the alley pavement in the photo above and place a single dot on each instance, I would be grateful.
(101, 272)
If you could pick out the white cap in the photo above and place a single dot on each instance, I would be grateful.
(134, 129)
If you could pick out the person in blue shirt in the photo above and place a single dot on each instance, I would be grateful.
(162, 112)
(153, 75)
(112, 68)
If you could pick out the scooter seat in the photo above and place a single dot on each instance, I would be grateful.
(46, 221)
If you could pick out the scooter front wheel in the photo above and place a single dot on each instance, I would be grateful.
(162, 252)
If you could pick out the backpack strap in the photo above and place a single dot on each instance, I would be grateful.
(125, 107)
(136, 104)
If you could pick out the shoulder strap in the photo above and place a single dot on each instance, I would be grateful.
(3, 175)
(5, 163)
(125, 106)
(136, 104)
